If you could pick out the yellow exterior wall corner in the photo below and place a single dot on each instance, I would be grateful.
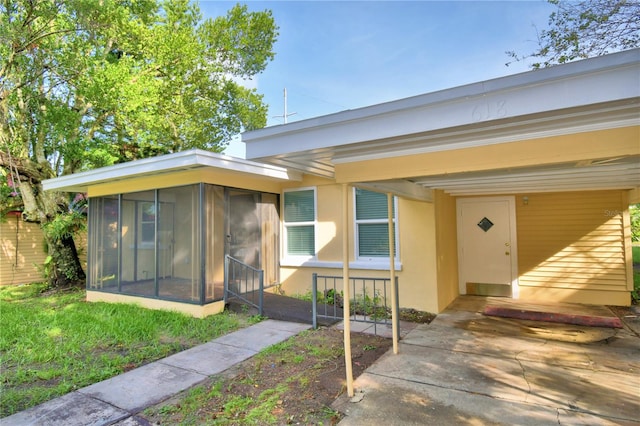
(446, 249)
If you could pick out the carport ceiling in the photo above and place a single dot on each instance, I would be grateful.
(610, 173)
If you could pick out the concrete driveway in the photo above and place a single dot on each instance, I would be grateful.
(467, 368)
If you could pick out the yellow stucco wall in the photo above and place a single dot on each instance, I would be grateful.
(574, 247)
(418, 276)
(446, 248)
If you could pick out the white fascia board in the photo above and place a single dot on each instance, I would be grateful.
(400, 188)
(196, 158)
(592, 81)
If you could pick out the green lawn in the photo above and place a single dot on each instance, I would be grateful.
(55, 343)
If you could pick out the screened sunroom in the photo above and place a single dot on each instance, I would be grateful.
(160, 229)
(170, 243)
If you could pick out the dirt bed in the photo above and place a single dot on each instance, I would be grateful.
(292, 383)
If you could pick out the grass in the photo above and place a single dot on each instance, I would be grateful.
(52, 344)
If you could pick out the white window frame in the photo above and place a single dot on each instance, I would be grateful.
(370, 259)
(293, 259)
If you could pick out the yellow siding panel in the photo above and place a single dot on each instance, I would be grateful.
(572, 241)
(22, 249)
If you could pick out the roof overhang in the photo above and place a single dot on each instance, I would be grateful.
(156, 166)
(584, 96)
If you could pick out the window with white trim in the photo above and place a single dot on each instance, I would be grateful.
(372, 225)
(299, 207)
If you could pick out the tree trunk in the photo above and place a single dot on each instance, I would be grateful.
(65, 270)
(63, 267)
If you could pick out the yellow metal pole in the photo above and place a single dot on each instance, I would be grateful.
(392, 272)
(345, 282)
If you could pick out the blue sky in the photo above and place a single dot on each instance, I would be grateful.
(332, 56)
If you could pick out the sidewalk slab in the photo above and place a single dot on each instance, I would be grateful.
(208, 359)
(72, 409)
(144, 386)
(262, 335)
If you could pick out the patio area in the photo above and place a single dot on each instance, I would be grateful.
(469, 368)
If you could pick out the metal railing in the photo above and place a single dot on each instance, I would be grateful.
(243, 282)
(370, 299)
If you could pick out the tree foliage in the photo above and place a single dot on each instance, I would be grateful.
(579, 30)
(90, 83)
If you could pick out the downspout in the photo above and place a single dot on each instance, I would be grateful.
(345, 282)
(392, 271)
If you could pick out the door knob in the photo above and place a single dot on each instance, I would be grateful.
(506, 253)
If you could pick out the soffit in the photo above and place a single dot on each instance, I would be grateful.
(164, 164)
(608, 173)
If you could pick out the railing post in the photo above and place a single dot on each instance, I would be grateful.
(261, 292)
(226, 278)
(397, 319)
(314, 300)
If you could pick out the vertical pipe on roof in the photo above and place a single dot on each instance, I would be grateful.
(392, 271)
(345, 283)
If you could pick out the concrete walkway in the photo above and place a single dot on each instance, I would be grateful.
(467, 368)
(117, 400)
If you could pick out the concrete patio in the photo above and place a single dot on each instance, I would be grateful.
(468, 368)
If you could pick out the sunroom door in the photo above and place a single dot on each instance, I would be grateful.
(252, 227)
(243, 227)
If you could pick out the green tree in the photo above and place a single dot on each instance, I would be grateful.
(634, 214)
(90, 83)
(579, 30)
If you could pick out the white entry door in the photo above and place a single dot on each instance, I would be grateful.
(487, 255)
